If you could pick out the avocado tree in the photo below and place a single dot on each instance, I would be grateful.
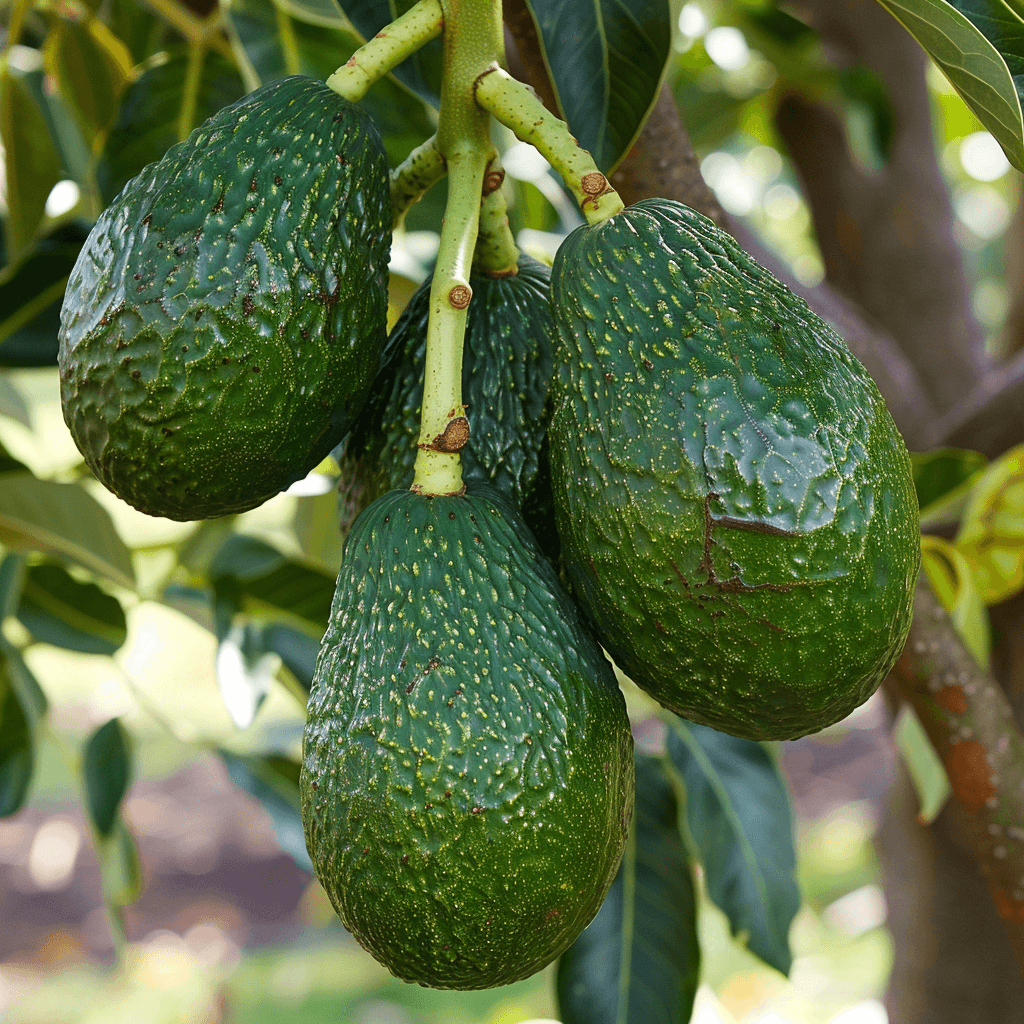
(92, 94)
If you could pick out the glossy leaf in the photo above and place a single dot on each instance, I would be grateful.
(318, 51)
(950, 576)
(64, 519)
(943, 479)
(991, 535)
(979, 46)
(30, 160)
(150, 118)
(638, 962)
(31, 293)
(12, 404)
(245, 671)
(739, 817)
(422, 71)
(274, 781)
(926, 769)
(22, 705)
(58, 609)
(605, 59)
(91, 68)
(107, 768)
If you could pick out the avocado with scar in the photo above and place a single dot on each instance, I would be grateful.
(735, 504)
(467, 779)
(224, 319)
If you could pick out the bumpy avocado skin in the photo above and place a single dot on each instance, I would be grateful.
(506, 373)
(735, 504)
(467, 777)
(223, 322)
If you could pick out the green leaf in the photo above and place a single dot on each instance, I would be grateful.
(107, 770)
(245, 670)
(979, 46)
(22, 705)
(63, 519)
(943, 479)
(317, 50)
(298, 651)
(31, 293)
(12, 404)
(91, 68)
(30, 159)
(9, 464)
(638, 961)
(149, 120)
(274, 781)
(950, 576)
(991, 535)
(57, 609)
(315, 12)
(925, 766)
(422, 71)
(740, 819)
(12, 575)
(605, 59)
(119, 867)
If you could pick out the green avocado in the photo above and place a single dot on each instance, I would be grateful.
(735, 504)
(506, 372)
(467, 778)
(224, 319)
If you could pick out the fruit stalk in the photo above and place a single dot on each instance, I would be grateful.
(496, 253)
(423, 167)
(517, 107)
(386, 50)
(473, 41)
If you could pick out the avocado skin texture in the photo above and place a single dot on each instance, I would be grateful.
(506, 373)
(467, 778)
(223, 322)
(735, 504)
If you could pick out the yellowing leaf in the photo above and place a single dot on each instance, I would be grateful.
(950, 576)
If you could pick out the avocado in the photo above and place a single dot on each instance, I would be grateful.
(735, 504)
(506, 372)
(224, 319)
(467, 779)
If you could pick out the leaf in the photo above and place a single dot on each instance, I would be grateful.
(107, 771)
(64, 519)
(298, 651)
(91, 68)
(9, 464)
(950, 576)
(12, 575)
(605, 59)
(740, 819)
(422, 71)
(638, 961)
(991, 535)
(315, 12)
(30, 159)
(274, 781)
(22, 705)
(149, 118)
(927, 771)
(245, 670)
(57, 609)
(12, 404)
(943, 479)
(979, 46)
(119, 867)
(318, 51)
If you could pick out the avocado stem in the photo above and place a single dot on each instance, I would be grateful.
(496, 252)
(387, 49)
(421, 169)
(517, 107)
(473, 40)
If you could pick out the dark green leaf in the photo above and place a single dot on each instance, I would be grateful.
(57, 609)
(298, 651)
(33, 700)
(43, 515)
(31, 161)
(149, 120)
(638, 962)
(318, 50)
(75, 157)
(12, 575)
(274, 781)
(9, 464)
(107, 768)
(605, 58)
(979, 45)
(740, 819)
(22, 705)
(422, 71)
(943, 478)
(136, 26)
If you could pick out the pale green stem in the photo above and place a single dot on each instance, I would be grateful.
(516, 106)
(195, 29)
(190, 90)
(423, 167)
(473, 40)
(387, 49)
(496, 252)
(18, 11)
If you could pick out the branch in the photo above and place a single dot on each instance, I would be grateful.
(887, 236)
